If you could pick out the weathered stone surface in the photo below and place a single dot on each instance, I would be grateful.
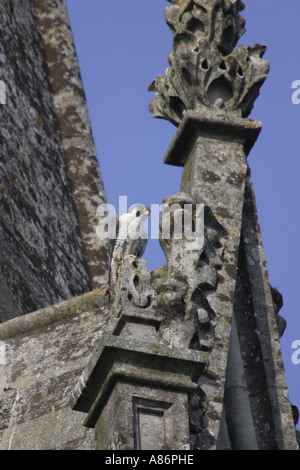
(133, 377)
(75, 128)
(258, 412)
(133, 291)
(278, 303)
(215, 125)
(135, 361)
(239, 416)
(260, 345)
(214, 174)
(133, 311)
(44, 355)
(207, 92)
(47, 162)
(204, 70)
(149, 419)
(135, 389)
(170, 335)
(191, 271)
(226, 189)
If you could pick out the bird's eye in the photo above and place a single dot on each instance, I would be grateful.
(138, 213)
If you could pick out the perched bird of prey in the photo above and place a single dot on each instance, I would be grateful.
(129, 238)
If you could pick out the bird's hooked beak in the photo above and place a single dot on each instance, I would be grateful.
(147, 210)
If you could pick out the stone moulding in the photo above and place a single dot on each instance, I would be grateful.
(207, 122)
(118, 359)
(45, 317)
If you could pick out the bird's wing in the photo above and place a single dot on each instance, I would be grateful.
(142, 247)
(137, 246)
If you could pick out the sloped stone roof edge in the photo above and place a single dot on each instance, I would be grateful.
(40, 318)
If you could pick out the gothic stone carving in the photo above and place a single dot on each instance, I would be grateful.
(184, 285)
(133, 290)
(205, 71)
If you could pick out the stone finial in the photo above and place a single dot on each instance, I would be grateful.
(205, 70)
(214, 21)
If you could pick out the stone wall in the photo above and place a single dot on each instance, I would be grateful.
(74, 123)
(42, 356)
(44, 256)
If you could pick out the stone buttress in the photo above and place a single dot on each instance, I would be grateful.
(212, 303)
(186, 356)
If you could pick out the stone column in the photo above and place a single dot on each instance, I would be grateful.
(208, 92)
(213, 149)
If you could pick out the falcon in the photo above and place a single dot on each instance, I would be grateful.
(129, 238)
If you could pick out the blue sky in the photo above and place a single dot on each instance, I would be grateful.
(122, 46)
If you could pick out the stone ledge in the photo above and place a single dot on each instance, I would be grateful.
(135, 362)
(52, 314)
(209, 123)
